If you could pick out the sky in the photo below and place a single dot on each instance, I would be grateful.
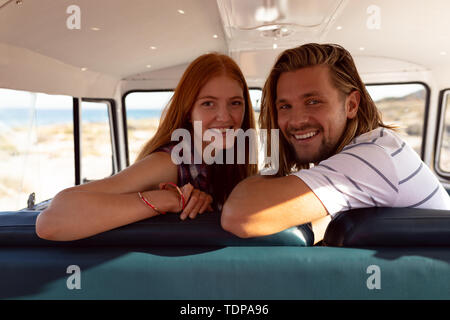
(379, 92)
(15, 98)
(141, 100)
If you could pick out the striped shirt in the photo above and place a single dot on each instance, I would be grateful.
(377, 169)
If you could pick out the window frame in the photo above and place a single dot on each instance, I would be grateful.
(77, 139)
(444, 94)
(114, 134)
(124, 116)
(426, 111)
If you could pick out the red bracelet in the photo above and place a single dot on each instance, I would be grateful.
(183, 201)
(149, 204)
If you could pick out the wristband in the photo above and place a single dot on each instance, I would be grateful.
(149, 204)
(183, 201)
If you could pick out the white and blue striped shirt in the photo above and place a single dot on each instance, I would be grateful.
(378, 169)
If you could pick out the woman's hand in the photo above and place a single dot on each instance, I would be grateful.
(196, 201)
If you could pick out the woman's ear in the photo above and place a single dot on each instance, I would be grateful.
(352, 104)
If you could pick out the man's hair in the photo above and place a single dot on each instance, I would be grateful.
(344, 77)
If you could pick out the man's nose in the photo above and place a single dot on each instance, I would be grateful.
(299, 117)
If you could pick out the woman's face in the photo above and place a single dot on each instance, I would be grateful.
(220, 105)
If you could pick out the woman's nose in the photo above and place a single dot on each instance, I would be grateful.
(223, 113)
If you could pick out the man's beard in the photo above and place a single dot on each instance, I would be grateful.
(303, 157)
(326, 150)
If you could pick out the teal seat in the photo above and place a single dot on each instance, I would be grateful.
(253, 273)
(114, 265)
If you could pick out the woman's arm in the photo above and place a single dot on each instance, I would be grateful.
(102, 205)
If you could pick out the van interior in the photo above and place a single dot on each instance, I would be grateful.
(84, 83)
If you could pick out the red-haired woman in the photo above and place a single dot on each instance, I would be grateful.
(212, 90)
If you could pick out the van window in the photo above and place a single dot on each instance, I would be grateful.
(255, 97)
(403, 105)
(443, 159)
(36, 146)
(143, 112)
(97, 160)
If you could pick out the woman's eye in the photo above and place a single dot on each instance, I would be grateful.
(208, 103)
(237, 103)
(284, 107)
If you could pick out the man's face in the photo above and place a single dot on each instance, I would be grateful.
(312, 114)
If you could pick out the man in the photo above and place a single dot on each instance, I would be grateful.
(316, 97)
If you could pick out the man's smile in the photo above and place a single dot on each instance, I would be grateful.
(306, 136)
(303, 137)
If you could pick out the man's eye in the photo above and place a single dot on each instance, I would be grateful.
(312, 102)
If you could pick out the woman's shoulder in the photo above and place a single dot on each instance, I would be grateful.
(167, 148)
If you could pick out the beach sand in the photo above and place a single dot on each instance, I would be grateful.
(41, 160)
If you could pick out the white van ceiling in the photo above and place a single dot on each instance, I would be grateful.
(135, 40)
(127, 31)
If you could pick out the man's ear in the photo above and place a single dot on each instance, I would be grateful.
(352, 104)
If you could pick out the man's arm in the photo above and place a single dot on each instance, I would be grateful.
(261, 206)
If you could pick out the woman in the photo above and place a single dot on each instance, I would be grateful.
(212, 90)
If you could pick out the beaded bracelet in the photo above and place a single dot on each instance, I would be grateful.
(183, 200)
(149, 204)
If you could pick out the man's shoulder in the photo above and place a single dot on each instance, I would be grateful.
(378, 139)
(362, 174)
(372, 154)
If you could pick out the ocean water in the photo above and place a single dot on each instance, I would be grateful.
(15, 117)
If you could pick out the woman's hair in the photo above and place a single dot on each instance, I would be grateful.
(178, 112)
(344, 77)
